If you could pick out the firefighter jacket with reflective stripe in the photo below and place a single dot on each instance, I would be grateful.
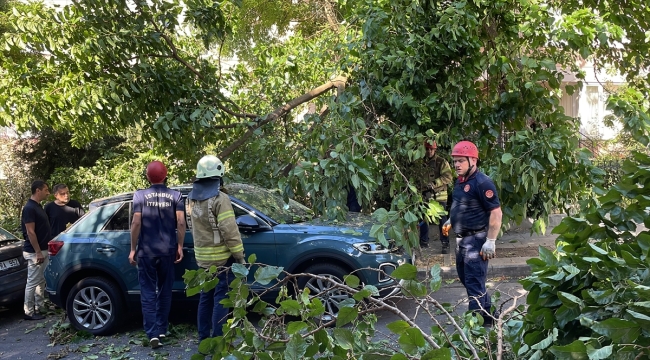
(215, 232)
(435, 177)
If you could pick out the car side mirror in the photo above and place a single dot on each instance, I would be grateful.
(247, 223)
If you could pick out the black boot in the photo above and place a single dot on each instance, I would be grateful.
(445, 248)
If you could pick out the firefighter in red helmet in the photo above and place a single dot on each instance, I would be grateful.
(475, 215)
(157, 235)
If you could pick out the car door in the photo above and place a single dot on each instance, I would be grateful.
(260, 242)
(188, 262)
(113, 244)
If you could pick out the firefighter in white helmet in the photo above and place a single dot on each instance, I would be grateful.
(217, 241)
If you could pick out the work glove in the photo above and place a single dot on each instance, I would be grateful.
(488, 251)
(445, 227)
(241, 261)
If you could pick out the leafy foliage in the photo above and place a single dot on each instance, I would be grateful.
(293, 327)
(50, 150)
(122, 172)
(403, 72)
(592, 291)
(588, 298)
(15, 186)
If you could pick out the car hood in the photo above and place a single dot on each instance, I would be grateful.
(356, 227)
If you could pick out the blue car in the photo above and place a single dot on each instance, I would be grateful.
(89, 274)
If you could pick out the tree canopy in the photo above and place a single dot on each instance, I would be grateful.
(327, 96)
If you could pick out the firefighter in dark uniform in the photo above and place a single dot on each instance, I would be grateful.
(475, 216)
(157, 235)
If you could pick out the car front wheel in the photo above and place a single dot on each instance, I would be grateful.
(95, 305)
(329, 295)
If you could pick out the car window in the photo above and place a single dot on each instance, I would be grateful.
(239, 211)
(120, 221)
(94, 220)
(7, 238)
(270, 203)
(5, 235)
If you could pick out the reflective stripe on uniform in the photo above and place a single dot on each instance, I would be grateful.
(212, 253)
(225, 215)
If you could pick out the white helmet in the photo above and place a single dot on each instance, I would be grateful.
(209, 166)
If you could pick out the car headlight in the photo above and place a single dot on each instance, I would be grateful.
(372, 248)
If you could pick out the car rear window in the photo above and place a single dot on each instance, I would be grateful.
(7, 238)
(93, 221)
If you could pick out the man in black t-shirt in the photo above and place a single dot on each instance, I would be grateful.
(62, 212)
(36, 232)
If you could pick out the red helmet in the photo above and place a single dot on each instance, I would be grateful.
(156, 172)
(430, 145)
(465, 148)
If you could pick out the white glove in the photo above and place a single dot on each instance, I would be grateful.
(445, 227)
(488, 251)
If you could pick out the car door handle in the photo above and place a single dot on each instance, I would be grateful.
(105, 250)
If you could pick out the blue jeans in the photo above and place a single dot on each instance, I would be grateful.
(156, 277)
(212, 314)
(472, 271)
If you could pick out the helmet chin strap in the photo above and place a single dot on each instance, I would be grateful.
(469, 170)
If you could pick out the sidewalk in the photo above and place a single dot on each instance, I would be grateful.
(516, 241)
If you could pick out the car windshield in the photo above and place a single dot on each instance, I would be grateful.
(6, 235)
(270, 203)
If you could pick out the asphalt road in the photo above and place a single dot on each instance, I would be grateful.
(29, 340)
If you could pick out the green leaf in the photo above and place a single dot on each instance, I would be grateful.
(344, 338)
(265, 274)
(239, 270)
(295, 326)
(619, 330)
(506, 158)
(551, 159)
(436, 279)
(362, 294)
(405, 272)
(252, 258)
(116, 98)
(437, 354)
(600, 354)
(351, 281)
(549, 64)
(291, 307)
(411, 340)
(413, 288)
(410, 217)
(576, 350)
(346, 315)
(570, 300)
(296, 348)
(565, 314)
(398, 327)
(548, 341)
(322, 339)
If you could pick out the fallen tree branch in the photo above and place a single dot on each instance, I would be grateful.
(500, 325)
(338, 83)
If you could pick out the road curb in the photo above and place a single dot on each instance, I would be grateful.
(501, 270)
